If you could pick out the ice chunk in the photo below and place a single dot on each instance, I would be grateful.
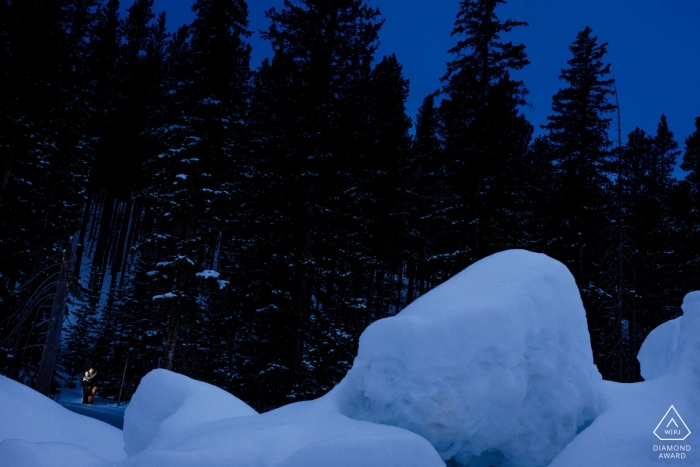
(494, 365)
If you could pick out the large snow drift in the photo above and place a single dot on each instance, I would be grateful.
(659, 350)
(174, 421)
(167, 403)
(36, 431)
(493, 367)
(623, 434)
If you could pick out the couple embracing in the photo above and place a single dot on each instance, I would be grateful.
(89, 386)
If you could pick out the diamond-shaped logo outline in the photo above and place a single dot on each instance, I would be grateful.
(679, 418)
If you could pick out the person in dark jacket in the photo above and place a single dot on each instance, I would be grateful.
(87, 388)
(91, 381)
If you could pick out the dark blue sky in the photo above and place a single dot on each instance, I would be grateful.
(653, 49)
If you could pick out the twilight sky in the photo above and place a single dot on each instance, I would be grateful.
(651, 51)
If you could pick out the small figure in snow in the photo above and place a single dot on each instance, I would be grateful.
(90, 380)
(87, 387)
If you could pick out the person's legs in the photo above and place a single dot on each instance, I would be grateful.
(91, 397)
(85, 397)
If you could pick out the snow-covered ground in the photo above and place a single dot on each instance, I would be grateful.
(492, 368)
(36, 431)
(623, 434)
(103, 409)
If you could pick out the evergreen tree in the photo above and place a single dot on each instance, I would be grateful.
(639, 269)
(578, 131)
(197, 176)
(310, 126)
(620, 304)
(126, 72)
(688, 209)
(482, 128)
(43, 162)
(665, 155)
(578, 127)
(380, 171)
(660, 245)
(428, 184)
(691, 164)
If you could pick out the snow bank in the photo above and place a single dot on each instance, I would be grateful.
(36, 431)
(493, 367)
(20, 453)
(659, 349)
(174, 421)
(167, 403)
(623, 435)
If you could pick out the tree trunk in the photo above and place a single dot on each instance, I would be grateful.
(8, 168)
(169, 356)
(81, 239)
(53, 337)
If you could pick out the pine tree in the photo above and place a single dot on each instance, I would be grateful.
(691, 164)
(390, 160)
(198, 173)
(640, 267)
(428, 183)
(481, 127)
(310, 130)
(578, 131)
(126, 73)
(578, 127)
(43, 161)
(661, 247)
(617, 325)
(380, 197)
(687, 208)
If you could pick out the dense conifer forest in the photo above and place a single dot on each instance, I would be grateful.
(244, 226)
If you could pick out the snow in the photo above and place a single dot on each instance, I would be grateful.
(659, 349)
(492, 368)
(165, 295)
(179, 258)
(623, 434)
(35, 431)
(103, 409)
(208, 273)
(174, 421)
(188, 402)
(305, 434)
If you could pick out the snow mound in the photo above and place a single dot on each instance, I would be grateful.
(493, 367)
(623, 434)
(174, 421)
(687, 358)
(659, 349)
(20, 453)
(166, 403)
(36, 431)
